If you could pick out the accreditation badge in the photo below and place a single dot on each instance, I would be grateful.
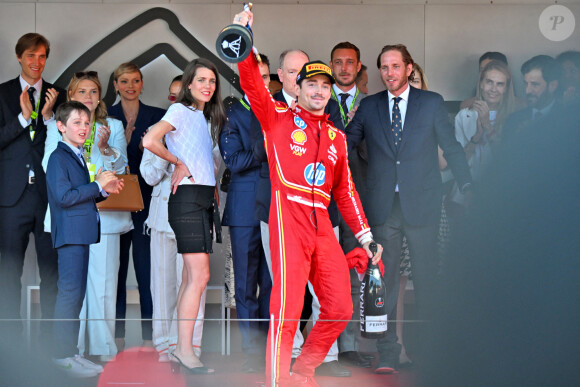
(91, 168)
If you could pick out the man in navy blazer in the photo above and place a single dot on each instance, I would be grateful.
(26, 106)
(403, 186)
(74, 226)
(250, 267)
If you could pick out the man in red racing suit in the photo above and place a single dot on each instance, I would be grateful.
(307, 158)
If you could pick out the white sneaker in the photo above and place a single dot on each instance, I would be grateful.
(88, 364)
(74, 368)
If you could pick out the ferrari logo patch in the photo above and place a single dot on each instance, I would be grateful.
(331, 134)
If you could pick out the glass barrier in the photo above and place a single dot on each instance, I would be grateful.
(26, 347)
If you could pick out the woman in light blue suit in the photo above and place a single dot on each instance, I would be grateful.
(106, 148)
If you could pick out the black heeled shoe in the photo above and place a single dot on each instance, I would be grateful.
(194, 370)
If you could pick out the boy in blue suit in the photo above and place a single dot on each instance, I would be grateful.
(74, 226)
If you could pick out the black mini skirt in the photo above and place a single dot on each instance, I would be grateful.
(193, 214)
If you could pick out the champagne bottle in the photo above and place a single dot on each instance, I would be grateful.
(373, 294)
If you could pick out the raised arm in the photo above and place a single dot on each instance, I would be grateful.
(152, 141)
(263, 105)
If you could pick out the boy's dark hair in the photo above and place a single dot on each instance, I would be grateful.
(65, 110)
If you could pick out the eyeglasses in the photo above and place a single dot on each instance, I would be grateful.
(92, 74)
(172, 98)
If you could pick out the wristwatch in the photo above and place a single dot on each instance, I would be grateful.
(107, 151)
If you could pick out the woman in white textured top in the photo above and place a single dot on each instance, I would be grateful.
(192, 203)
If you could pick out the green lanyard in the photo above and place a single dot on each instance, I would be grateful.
(88, 145)
(244, 104)
(342, 113)
(34, 115)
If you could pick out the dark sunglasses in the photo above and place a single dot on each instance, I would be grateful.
(81, 74)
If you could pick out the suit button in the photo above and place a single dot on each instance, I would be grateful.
(398, 162)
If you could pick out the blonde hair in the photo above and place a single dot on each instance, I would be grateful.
(101, 110)
(507, 103)
(126, 68)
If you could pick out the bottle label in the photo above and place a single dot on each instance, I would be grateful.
(376, 324)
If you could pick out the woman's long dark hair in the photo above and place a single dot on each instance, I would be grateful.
(214, 110)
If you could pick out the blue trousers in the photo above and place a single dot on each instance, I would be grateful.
(250, 273)
(73, 265)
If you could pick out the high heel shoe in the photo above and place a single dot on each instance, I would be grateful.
(193, 370)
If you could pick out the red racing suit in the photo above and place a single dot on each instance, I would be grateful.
(308, 159)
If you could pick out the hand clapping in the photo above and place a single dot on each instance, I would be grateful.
(109, 182)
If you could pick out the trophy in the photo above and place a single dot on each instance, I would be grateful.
(234, 43)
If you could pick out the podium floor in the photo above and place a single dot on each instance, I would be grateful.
(135, 367)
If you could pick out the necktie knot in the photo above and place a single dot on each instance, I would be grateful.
(397, 99)
(343, 98)
(31, 91)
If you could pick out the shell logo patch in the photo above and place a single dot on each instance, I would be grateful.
(298, 136)
(299, 122)
(331, 134)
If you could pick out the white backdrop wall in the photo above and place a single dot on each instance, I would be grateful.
(445, 36)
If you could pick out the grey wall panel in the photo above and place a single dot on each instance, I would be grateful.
(456, 35)
(446, 39)
(202, 21)
(369, 27)
(13, 27)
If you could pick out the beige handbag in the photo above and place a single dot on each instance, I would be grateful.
(129, 199)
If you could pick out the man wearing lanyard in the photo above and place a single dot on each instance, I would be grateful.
(27, 104)
(250, 267)
(345, 63)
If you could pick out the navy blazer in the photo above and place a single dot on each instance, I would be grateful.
(414, 166)
(18, 153)
(72, 199)
(263, 196)
(236, 149)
